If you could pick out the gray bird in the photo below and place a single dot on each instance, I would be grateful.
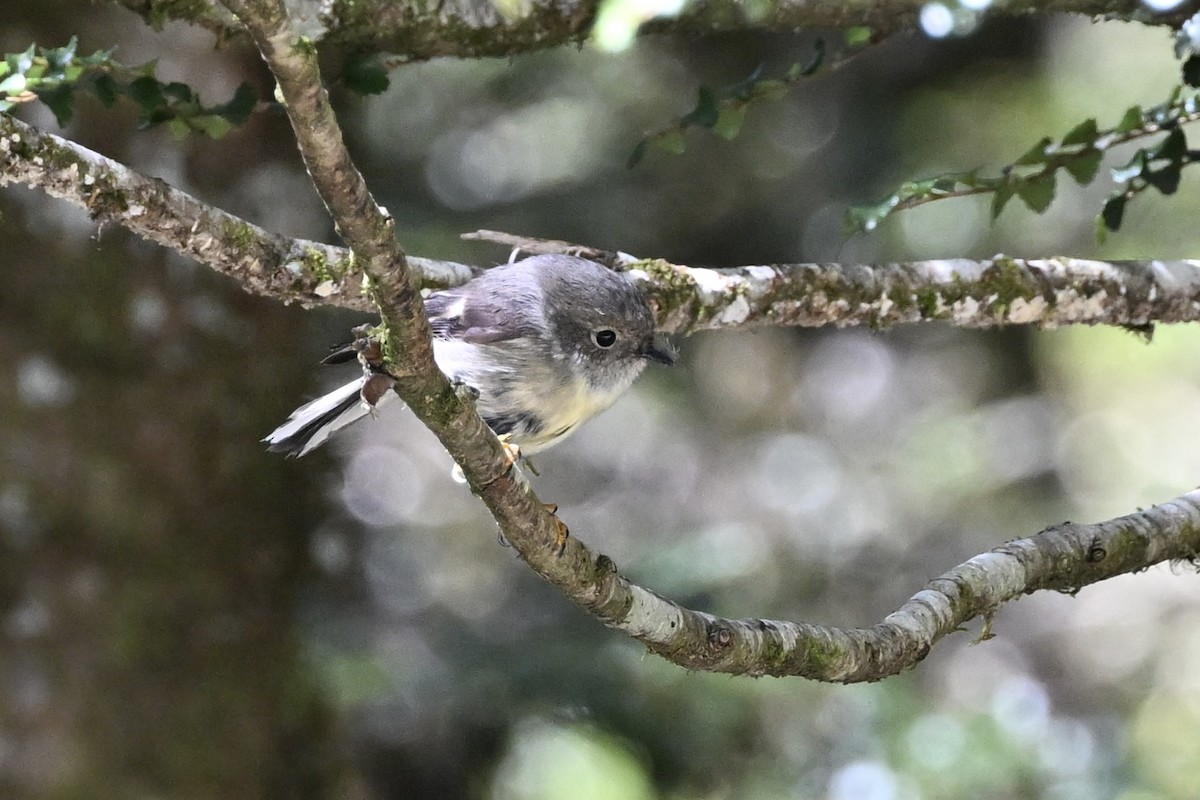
(546, 343)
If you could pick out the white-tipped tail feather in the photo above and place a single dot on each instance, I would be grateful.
(310, 425)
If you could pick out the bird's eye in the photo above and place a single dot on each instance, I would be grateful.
(604, 338)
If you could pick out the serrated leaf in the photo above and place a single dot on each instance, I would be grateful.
(1166, 180)
(1113, 212)
(673, 142)
(13, 84)
(705, 113)
(1037, 192)
(106, 90)
(1085, 132)
(1035, 154)
(1004, 193)
(1191, 71)
(864, 219)
(857, 35)
(639, 152)
(1172, 148)
(61, 102)
(769, 90)
(240, 106)
(1084, 166)
(147, 93)
(729, 122)
(21, 62)
(1130, 121)
(180, 92)
(214, 126)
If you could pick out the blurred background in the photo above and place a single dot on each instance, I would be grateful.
(183, 615)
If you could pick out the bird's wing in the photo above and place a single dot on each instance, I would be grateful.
(478, 318)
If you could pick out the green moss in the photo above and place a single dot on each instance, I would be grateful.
(673, 289)
(317, 265)
(240, 234)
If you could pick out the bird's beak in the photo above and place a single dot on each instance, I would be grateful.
(660, 350)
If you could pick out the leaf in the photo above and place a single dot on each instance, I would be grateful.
(240, 106)
(214, 126)
(639, 152)
(672, 141)
(729, 122)
(1083, 133)
(1000, 199)
(857, 36)
(1191, 71)
(1113, 212)
(1083, 167)
(768, 90)
(1166, 180)
(1173, 148)
(1037, 191)
(61, 102)
(705, 113)
(106, 90)
(1131, 121)
(1035, 154)
(13, 84)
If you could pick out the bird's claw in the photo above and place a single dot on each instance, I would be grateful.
(562, 532)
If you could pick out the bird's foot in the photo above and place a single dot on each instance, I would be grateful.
(562, 532)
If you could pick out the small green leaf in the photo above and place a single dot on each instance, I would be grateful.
(1191, 71)
(13, 84)
(1166, 180)
(147, 93)
(1035, 154)
(1083, 133)
(1172, 148)
(729, 122)
(1131, 121)
(705, 113)
(61, 102)
(1037, 191)
(214, 126)
(1004, 193)
(1113, 212)
(857, 36)
(240, 106)
(106, 90)
(639, 152)
(769, 90)
(672, 141)
(1084, 166)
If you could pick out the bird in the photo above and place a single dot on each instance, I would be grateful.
(543, 344)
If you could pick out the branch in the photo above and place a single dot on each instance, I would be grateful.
(264, 263)
(474, 28)
(1048, 292)
(1002, 290)
(1064, 558)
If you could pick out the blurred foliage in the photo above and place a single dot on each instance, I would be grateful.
(1033, 176)
(55, 75)
(183, 615)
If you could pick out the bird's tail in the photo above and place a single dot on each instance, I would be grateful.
(310, 425)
